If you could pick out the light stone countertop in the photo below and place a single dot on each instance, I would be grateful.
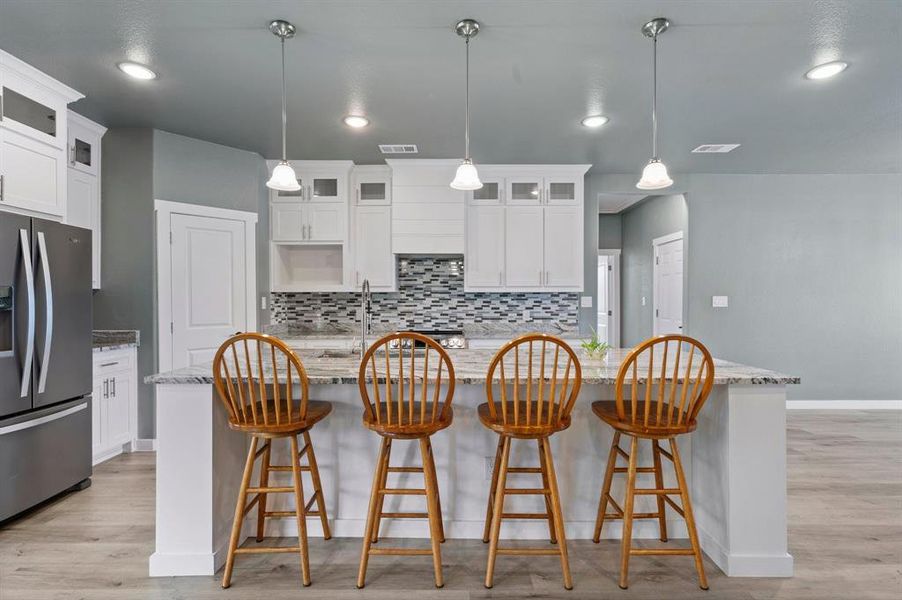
(470, 368)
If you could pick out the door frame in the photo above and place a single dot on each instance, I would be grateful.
(163, 211)
(613, 292)
(659, 241)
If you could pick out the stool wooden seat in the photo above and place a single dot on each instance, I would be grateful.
(539, 377)
(263, 386)
(407, 394)
(676, 373)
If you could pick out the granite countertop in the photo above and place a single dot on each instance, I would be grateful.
(484, 330)
(114, 339)
(470, 368)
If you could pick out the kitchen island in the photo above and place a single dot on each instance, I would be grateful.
(735, 464)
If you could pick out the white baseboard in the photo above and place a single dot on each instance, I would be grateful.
(144, 445)
(844, 404)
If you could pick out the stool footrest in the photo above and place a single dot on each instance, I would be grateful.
(527, 491)
(404, 515)
(655, 492)
(402, 551)
(638, 470)
(286, 469)
(529, 551)
(267, 550)
(402, 492)
(525, 516)
(270, 490)
(635, 516)
(524, 469)
(405, 469)
(662, 552)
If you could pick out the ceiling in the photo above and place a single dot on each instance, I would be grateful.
(729, 72)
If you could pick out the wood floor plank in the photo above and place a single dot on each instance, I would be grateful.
(845, 519)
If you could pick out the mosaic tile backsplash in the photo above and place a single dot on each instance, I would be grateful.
(430, 296)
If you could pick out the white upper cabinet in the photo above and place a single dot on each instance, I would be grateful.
(372, 248)
(484, 264)
(563, 247)
(372, 185)
(83, 204)
(326, 222)
(33, 139)
(525, 229)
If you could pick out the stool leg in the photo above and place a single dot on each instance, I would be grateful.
(438, 496)
(300, 510)
(627, 540)
(687, 510)
(497, 511)
(370, 519)
(659, 483)
(558, 516)
(382, 485)
(432, 507)
(547, 497)
(606, 488)
(317, 487)
(264, 482)
(488, 509)
(239, 513)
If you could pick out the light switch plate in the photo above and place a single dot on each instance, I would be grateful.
(585, 301)
(720, 301)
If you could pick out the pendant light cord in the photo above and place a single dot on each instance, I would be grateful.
(284, 107)
(467, 105)
(654, 101)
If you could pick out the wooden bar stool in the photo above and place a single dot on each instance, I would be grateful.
(673, 397)
(539, 381)
(256, 377)
(409, 402)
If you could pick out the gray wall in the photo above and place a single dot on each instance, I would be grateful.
(813, 268)
(610, 236)
(812, 265)
(141, 165)
(641, 223)
(126, 297)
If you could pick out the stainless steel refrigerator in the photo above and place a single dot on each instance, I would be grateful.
(45, 360)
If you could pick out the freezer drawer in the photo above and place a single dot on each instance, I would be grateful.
(43, 453)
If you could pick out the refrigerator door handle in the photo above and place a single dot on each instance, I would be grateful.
(48, 291)
(29, 334)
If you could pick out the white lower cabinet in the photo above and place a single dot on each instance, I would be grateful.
(114, 415)
(374, 260)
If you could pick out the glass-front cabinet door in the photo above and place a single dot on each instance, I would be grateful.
(280, 196)
(372, 185)
(561, 190)
(491, 192)
(324, 189)
(524, 190)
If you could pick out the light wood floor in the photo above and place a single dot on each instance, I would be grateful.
(845, 505)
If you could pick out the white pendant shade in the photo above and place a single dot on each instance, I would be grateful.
(467, 178)
(654, 176)
(283, 178)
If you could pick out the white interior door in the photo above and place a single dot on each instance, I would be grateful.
(603, 304)
(209, 298)
(668, 284)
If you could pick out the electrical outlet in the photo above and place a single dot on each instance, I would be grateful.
(585, 301)
(489, 467)
(262, 302)
(643, 300)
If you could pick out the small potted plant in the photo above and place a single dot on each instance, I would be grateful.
(594, 347)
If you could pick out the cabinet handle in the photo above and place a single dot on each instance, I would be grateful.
(499, 277)
(2, 187)
(541, 278)
(106, 388)
(109, 364)
(358, 194)
(113, 386)
(72, 155)
(309, 232)
(547, 277)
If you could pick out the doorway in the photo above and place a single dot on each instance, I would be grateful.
(667, 293)
(206, 280)
(608, 294)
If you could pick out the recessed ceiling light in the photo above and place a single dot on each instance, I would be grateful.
(137, 71)
(356, 121)
(827, 70)
(594, 121)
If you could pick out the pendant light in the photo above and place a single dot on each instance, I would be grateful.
(466, 177)
(283, 177)
(654, 175)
